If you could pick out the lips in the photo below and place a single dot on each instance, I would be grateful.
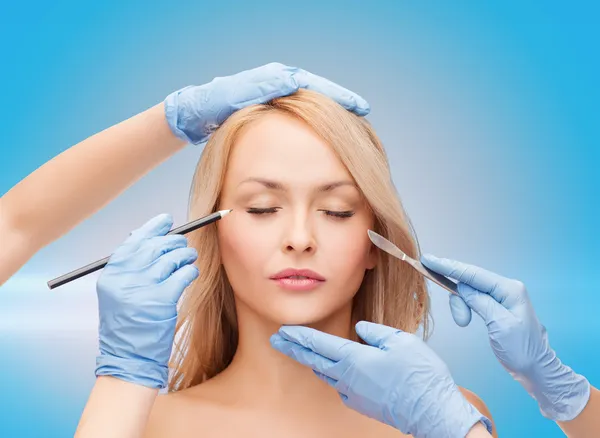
(298, 280)
(298, 274)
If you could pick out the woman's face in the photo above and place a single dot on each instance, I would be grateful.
(295, 210)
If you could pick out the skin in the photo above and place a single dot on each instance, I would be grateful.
(263, 392)
(126, 152)
(299, 232)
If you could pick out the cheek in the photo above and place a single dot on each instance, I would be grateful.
(243, 253)
(348, 252)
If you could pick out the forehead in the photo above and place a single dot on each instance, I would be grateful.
(284, 148)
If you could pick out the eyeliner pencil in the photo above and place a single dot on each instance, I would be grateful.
(99, 264)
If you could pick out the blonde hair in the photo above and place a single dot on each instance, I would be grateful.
(392, 293)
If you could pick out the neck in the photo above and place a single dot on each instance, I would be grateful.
(263, 375)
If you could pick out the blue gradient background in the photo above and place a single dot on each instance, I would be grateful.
(489, 112)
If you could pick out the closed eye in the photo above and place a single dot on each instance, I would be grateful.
(261, 210)
(336, 214)
(339, 214)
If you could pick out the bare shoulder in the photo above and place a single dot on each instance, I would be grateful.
(179, 415)
(476, 401)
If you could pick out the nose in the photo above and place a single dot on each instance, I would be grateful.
(299, 237)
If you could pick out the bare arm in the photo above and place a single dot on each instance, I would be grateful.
(586, 424)
(116, 409)
(77, 183)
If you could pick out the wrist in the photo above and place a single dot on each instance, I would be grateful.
(478, 431)
(454, 415)
(469, 420)
(178, 125)
(560, 392)
(464, 417)
(138, 371)
(125, 389)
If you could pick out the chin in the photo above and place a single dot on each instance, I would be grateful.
(317, 310)
(299, 317)
(314, 316)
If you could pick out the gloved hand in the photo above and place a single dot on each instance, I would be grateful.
(137, 297)
(518, 339)
(194, 111)
(396, 379)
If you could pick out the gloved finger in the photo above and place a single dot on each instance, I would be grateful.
(484, 305)
(179, 281)
(324, 344)
(157, 226)
(481, 279)
(170, 262)
(256, 86)
(375, 334)
(346, 98)
(262, 84)
(461, 313)
(326, 379)
(150, 250)
(304, 356)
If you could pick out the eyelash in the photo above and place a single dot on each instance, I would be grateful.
(335, 214)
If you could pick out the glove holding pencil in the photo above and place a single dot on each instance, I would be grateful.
(138, 293)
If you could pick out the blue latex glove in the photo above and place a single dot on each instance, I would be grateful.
(396, 379)
(518, 339)
(195, 111)
(137, 298)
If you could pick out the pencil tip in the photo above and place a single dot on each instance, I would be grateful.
(225, 212)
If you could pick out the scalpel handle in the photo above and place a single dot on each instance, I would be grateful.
(438, 279)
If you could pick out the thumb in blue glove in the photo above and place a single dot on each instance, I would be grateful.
(138, 293)
(517, 338)
(195, 111)
(396, 379)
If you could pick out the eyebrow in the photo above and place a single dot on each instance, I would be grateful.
(276, 185)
